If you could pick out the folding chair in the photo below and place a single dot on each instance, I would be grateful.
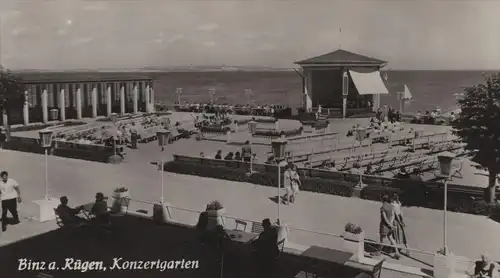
(59, 222)
(257, 228)
(240, 223)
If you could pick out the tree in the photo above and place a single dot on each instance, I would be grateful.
(12, 96)
(478, 126)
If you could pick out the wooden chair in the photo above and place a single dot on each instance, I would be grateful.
(257, 228)
(240, 223)
(59, 222)
(375, 273)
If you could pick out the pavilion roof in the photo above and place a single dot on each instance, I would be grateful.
(341, 57)
(77, 77)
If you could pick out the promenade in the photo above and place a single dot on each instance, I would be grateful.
(468, 235)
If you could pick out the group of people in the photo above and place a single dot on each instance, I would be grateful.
(245, 155)
(227, 109)
(392, 225)
(388, 114)
(265, 245)
(71, 217)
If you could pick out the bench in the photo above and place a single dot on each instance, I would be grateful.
(374, 273)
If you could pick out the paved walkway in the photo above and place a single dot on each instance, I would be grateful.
(80, 180)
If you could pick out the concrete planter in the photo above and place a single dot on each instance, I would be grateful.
(120, 204)
(444, 266)
(355, 243)
(215, 217)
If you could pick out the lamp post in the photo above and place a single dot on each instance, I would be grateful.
(445, 162)
(211, 92)
(114, 117)
(178, 92)
(47, 205)
(162, 136)
(278, 146)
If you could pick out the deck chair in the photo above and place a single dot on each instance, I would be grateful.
(59, 222)
(240, 223)
(257, 228)
(375, 273)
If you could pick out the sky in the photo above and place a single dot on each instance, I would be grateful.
(89, 34)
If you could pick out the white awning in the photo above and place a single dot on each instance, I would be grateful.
(369, 83)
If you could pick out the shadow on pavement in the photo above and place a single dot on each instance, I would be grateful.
(133, 239)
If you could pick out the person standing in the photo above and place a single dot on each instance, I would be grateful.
(387, 227)
(399, 233)
(10, 195)
(246, 152)
(291, 182)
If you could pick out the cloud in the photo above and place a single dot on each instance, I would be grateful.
(8, 15)
(96, 7)
(208, 27)
(175, 38)
(81, 41)
(209, 44)
(19, 31)
(267, 47)
(61, 31)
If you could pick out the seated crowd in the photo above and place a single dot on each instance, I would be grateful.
(239, 109)
(245, 155)
(98, 215)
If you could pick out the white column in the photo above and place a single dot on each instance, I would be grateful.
(152, 99)
(345, 91)
(108, 100)
(45, 108)
(135, 99)
(26, 109)
(122, 100)
(307, 97)
(62, 105)
(78, 103)
(146, 99)
(94, 102)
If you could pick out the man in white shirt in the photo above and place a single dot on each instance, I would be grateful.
(10, 195)
(291, 182)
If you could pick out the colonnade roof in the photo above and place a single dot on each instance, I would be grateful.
(80, 77)
(341, 57)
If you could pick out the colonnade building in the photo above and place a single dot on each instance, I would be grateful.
(77, 96)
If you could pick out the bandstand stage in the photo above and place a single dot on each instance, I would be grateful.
(342, 82)
(82, 95)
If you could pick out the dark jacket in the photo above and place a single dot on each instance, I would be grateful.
(267, 243)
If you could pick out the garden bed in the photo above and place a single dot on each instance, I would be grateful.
(38, 126)
(215, 128)
(416, 195)
(276, 133)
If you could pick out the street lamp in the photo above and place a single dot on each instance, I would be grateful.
(114, 117)
(278, 146)
(445, 162)
(178, 92)
(211, 92)
(47, 205)
(360, 136)
(162, 136)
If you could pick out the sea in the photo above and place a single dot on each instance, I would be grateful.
(428, 88)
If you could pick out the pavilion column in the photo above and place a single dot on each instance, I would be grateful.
(135, 99)
(345, 92)
(62, 105)
(307, 101)
(79, 103)
(122, 100)
(108, 100)
(152, 100)
(26, 109)
(146, 99)
(45, 106)
(94, 102)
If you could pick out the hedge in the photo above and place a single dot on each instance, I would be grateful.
(410, 194)
(215, 128)
(42, 126)
(277, 133)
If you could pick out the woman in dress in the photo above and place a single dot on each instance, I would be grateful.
(387, 227)
(399, 233)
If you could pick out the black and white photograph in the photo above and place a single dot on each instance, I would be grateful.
(250, 138)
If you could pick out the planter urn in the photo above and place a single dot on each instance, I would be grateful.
(120, 204)
(215, 217)
(355, 243)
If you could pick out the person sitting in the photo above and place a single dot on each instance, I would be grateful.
(218, 155)
(237, 156)
(69, 216)
(229, 156)
(402, 173)
(266, 246)
(486, 268)
(100, 210)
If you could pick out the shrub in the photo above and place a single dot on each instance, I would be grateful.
(215, 128)
(353, 229)
(38, 126)
(276, 133)
(242, 121)
(214, 205)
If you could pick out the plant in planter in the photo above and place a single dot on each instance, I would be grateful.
(354, 240)
(215, 212)
(121, 198)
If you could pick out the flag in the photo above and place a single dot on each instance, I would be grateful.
(386, 77)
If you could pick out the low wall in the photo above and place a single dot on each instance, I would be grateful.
(461, 198)
(98, 153)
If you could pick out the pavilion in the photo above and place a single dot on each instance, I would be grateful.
(74, 95)
(342, 82)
